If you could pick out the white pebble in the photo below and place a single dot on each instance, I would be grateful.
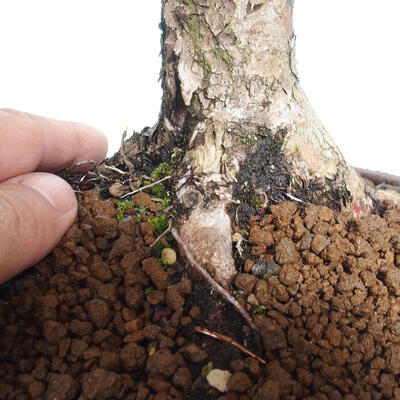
(219, 378)
(236, 237)
(168, 256)
(251, 299)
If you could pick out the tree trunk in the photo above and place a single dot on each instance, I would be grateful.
(232, 102)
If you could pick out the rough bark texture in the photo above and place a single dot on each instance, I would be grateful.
(232, 102)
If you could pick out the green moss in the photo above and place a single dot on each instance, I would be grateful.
(225, 56)
(161, 171)
(203, 61)
(191, 4)
(255, 202)
(259, 309)
(158, 190)
(148, 290)
(160, 223)
(166, 203)
(141, 209)
(159, 261)
(159, 246)
(122, 206)
(195, 33)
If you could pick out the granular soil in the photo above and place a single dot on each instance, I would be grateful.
(101, 318)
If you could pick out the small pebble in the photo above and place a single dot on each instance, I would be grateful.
(265, 269)
(117, 190)
(219, 378)
(168, 256)
(236, 237)
(251, 299)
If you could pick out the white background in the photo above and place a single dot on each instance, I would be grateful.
(97, 61)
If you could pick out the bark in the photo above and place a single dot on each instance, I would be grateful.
(233, 103)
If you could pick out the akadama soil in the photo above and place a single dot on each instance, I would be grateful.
(100, 318)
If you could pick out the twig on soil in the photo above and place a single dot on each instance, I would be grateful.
(97, 176)
(223, 292)
(291, 197)
(229, 340)
(115, 169)
(146, 187)
(237, 211)
(239, 247)
(122, 152)
(159, 238)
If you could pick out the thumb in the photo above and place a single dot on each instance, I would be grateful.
(36, 209)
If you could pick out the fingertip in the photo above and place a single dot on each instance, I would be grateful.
(36, 210)
(55, 189)
(104, 143)
(47, 144)
(100, 148)
(92, 145)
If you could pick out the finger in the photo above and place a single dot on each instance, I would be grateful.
(32, 143)
(36, 209)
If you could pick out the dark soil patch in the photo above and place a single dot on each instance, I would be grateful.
(101, 319)
(265, 177)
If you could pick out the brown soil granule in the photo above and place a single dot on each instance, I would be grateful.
(100, 318)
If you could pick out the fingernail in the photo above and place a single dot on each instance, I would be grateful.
(57, 191)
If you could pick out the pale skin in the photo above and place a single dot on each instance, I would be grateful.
(36, 206)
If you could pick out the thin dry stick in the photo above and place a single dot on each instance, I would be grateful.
(122, 152)
(224, 293)
(294, 198)
(229, 340)
(112, 168)
(159, 238)
(146, 187)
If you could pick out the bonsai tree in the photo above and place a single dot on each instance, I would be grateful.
(235, 118)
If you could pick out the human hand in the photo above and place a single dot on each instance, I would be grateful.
(37, 207)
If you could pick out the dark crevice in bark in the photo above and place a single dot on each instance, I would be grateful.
(266, 170)
(251, 8)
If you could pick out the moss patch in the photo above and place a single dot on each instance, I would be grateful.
(122, 206)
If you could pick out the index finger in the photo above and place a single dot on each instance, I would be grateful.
(32, 143)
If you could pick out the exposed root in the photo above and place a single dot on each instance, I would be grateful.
(207, 233)
(216, 286)
(229, 340)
